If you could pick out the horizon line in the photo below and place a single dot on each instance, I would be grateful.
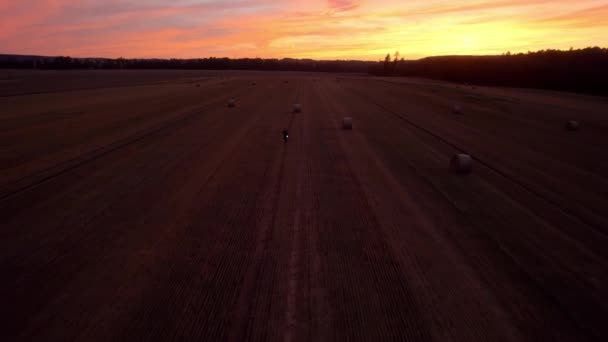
(305, 58)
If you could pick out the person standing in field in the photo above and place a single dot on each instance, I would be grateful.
(285, 135)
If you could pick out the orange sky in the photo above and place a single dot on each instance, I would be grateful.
(322, 29)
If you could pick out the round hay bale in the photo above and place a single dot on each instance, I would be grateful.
(456, 109)
(297, 108)
(461, 163)
(572, 125)
(198, 85)
(231, 103)
(347, 123)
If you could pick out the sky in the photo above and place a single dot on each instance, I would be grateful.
(319, 29)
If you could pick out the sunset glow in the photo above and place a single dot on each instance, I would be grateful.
(322, 29)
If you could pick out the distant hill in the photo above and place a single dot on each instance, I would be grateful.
(5, 58)
(580, 70)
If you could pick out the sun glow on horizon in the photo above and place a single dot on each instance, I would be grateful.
(328, 29)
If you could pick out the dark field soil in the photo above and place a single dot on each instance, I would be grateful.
(137, 206)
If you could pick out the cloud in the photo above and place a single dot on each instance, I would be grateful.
(479, 6)
(296, 28)
(342, 5)
(592, 17)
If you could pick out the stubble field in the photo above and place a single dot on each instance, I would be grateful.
(135, 205)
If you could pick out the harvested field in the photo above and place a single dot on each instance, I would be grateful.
(139, 206)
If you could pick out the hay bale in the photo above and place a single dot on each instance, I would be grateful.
(297, 108)
(231, 103)
(457, 109)
(572, 125)
(461, 163)
(198, 85)
(347, 123)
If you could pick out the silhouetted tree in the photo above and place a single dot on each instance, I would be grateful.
(395, 60)
(387, 63)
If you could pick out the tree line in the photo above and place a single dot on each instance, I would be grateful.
(578, 70)
(211, 63)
